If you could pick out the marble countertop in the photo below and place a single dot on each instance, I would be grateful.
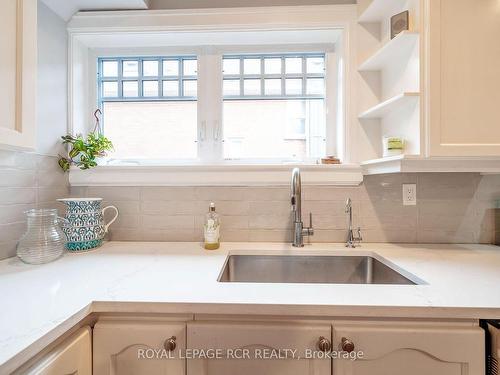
(40, 303)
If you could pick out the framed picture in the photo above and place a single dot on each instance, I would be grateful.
(400, 22)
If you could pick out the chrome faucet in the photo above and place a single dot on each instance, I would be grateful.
(296, 200)
(351, 239)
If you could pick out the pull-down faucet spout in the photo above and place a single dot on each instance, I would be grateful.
(296, 201)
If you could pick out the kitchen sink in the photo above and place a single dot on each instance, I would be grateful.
(310, 269)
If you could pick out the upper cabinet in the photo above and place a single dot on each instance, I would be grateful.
(18, 48)
(434, 85)
(464, 77)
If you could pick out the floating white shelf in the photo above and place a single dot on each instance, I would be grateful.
(390, 53)
(381, 10)
(418, 164)
(382, 109)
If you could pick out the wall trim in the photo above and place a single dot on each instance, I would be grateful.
(216, 175)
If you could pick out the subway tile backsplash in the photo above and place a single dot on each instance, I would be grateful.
(27, 180)
(451, 208)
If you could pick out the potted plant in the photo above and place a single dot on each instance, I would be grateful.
(83, 152)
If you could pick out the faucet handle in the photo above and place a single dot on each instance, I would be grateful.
(360, 238)
(309, 231)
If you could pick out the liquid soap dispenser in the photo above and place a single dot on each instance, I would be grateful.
(211, 229)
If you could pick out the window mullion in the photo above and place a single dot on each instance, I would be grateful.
(217, 106)
(210, 107)
(203, 108)
(334, 132)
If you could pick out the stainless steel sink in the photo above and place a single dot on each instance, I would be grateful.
(310, 269)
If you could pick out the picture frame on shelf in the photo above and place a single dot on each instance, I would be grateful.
(399, 23)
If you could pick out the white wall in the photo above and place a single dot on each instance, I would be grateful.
(52, 102)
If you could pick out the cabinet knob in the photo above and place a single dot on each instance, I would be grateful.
(347, 345)
(170, 344)
(324, 344)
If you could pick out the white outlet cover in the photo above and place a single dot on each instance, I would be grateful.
(409, 194)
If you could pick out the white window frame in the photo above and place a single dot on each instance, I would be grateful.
(210, 91)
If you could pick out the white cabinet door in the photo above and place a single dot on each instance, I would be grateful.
(134, 348)
(463, 77)
(256, 348)
(72, 357)
(18, 67)
(410, 349)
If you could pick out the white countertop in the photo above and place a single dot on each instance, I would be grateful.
(40, 303)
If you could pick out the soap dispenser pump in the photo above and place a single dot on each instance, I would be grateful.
(212, 229)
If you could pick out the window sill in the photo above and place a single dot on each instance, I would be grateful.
(216, 175)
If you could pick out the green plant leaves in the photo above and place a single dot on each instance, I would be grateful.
(73, 153)
(64, 163)
(84, 152)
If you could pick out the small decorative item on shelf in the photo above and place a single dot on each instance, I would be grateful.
(85, 151)
(399, 23)
(330, 160)
(393, 146)
(44, 240)
(85, 226)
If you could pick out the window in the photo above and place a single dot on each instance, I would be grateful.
(274, 106)
(149, 106)
(269, 108)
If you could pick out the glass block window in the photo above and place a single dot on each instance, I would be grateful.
(274, 76)
(147, 78)
(149, 106)
(274, 106)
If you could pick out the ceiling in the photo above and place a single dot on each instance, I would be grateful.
(66, 8)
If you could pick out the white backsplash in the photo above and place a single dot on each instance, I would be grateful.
(27, 180)
(451, 208)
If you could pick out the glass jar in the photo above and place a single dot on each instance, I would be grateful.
(44, 241)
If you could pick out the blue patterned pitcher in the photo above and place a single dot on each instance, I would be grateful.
(86, 227)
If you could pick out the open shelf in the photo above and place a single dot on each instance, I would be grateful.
(418, 164)
(381, 10)
(382, 109)
(392, 52)
(390, 164)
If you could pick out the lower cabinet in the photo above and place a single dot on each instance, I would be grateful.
(410, 349)
(73, 356)
(139, 347)
(257, 348)
(216, 347)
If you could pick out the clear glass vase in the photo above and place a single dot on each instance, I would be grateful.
(44, 241)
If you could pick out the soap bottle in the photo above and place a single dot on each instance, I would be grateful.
(212, 229)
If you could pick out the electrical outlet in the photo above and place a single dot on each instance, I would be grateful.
(409, 194)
